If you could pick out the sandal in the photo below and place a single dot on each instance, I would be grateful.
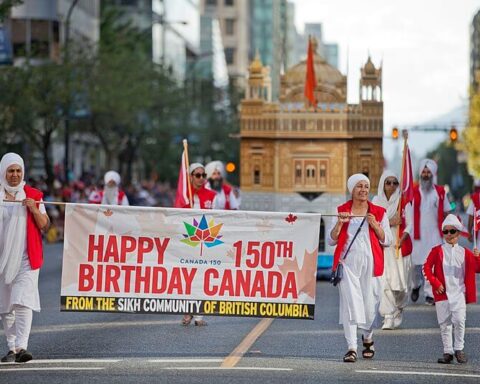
(187, 319)
(200, 323)
(369, 350)
(350, 357)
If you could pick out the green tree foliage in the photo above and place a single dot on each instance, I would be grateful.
(471, 136)
(6, 5)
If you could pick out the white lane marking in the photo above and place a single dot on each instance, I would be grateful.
(227, 369)
(185, 360)
(396, 332)
(98, 326)
(67, 361)
(52, 369)
(418, 373)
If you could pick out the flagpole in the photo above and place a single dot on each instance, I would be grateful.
(399, 208)
(475, 227)
(187, 165)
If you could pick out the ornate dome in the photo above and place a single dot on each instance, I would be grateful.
(369, 67)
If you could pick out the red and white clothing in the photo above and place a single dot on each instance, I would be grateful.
(225, 198)
(429, 208)
(360, 287)
(475, 206)
(203, 198)
(453, 267)
(99, 197)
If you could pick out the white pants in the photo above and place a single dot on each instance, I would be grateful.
(17, 325)
(392, 301)
(419, 280)
(453, 326)
(350, 331)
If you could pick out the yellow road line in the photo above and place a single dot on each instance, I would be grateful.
(242, 348)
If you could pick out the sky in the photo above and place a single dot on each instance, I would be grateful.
(423, 46)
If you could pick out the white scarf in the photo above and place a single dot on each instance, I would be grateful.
(12, 233)
(391, 205)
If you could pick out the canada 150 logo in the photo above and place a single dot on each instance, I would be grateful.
(202, 232)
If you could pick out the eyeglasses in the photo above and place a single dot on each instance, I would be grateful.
(451, 231)
(199, 175)
(388, 182)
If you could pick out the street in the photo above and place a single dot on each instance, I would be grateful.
(113, 348)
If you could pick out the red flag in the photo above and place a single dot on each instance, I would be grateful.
(181, 198)
(310, 80)
(476, 220)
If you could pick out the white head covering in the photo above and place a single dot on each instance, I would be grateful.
(195, 166)
(7, 160)
(430, 164)
(476, 182)
(112, 175)
(355, 179)
(215, 166)
(453, 221)
(13, 221)
(391, 205)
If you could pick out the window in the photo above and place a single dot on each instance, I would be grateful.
(211, 2)
(256, 175)
(230, 55)
(323, 173)
(298, 172)
(229, 3)
(230, 26)
(39, 44)
(310, 173)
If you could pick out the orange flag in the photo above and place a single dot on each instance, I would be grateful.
(310, 80)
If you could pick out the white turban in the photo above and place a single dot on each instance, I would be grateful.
(7, 160)
(453, 221)
(195, 166)
(215, 166)
(112, 175)
(355, 179)
(430, 164)
(391, 205)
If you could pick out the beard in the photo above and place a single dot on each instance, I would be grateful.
(110, 195)
(216, 184)
(426, 184)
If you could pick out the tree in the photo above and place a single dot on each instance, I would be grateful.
(471, 136)
(6, 5)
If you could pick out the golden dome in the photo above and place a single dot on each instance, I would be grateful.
(369, 67)
(256, 65)
(324, 73)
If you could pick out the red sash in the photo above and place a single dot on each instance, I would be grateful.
(34, 235)
(416, 209)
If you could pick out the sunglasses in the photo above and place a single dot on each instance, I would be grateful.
(388, 182)
(199, 175)
(451, 231)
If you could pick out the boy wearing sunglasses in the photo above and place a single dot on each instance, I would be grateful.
(450, 269)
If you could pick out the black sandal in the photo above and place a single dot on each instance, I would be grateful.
(369, 351)
(350, 357)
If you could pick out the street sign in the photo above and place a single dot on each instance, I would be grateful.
(6, 56)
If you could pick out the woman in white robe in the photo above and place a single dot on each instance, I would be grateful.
(18, 280)
(360, 287)
(396, 276)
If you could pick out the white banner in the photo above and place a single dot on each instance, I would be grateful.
(162, 260)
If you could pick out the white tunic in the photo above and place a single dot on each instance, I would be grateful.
(454, 271)
(429, 233)
(220, 200)
(24, 288)
(359, 290)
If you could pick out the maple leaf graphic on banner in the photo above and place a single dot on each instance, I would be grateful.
(201, 233)
(291, 218)
(306, 276)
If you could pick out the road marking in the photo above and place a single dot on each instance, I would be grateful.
(185, 360)
(396, 332)
(418, 373)
(242, 348)
(52, 369)
(227, 368)
(96, 326)
(67, 361)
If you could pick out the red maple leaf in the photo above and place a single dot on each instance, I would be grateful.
(291, 218)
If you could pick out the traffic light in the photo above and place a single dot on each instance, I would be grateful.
(230, 167)
(395, 133)
(453, 134)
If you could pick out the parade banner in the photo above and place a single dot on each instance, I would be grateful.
(176, 261)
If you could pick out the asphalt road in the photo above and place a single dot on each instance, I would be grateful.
(122, 348)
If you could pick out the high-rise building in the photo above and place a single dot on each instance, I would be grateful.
(270, 36)
(233, 18)
(174, 25)
(37, 28)
(329, 51)
(475, 51)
